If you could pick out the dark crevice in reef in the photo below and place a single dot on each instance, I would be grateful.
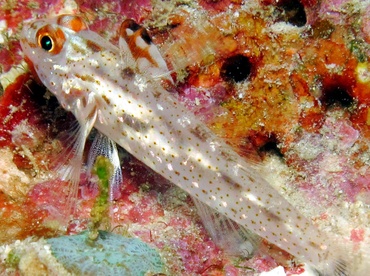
(336, 95)
(266, 144)
(292, 11)
(270, 148)
(236, 68)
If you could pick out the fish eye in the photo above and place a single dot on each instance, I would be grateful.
(50, 39)
(46, 43)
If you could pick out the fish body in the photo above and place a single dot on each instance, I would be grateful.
(121, 91)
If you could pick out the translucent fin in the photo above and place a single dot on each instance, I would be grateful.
(334, 267)
(67, 138)
(341, 268)
(359, 264)
(137, 48)
(68, 165)
(347, 260)
(104, 146)
(234, 239)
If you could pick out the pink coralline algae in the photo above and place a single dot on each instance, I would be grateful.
(322, 159)
(297, 107)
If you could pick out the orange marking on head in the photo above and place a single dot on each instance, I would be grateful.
(31, 44)
(72, 22)
(56, 35)
(93, 46)
(138, 31)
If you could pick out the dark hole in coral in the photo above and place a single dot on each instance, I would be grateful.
(336, 95)
(294, 12)
(236, 68)
(270, 148)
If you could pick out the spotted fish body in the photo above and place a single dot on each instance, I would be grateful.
(121, 92)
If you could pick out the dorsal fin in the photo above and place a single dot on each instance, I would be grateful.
(138, 50)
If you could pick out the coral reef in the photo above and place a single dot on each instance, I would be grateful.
(285, 84)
